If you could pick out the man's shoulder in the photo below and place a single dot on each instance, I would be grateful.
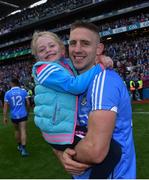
(17, 90)
(107, 78)
(112, 74)
(107, 73)
(8, 92)
(23, 91)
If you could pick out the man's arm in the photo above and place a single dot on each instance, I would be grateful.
(5, 113)
(28, 104)
(95, 146)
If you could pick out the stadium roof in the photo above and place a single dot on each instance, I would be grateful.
(9, 6)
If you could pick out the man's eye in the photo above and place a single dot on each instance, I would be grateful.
(71, 43)
(85, 43)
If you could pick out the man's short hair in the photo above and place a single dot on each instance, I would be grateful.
(83, 24)
(15, 81)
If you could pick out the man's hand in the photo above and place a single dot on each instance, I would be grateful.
(5, 116)
(71, 166)
(5, 120)
(106, 61)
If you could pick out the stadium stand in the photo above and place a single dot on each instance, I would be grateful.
(124, 29)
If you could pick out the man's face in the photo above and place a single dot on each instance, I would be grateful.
(48, 49)
(83, 48)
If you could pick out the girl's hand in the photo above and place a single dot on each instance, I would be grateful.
(106, 61)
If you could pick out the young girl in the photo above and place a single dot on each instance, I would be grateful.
(56, 100)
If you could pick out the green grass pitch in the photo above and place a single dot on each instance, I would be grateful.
(42, 164)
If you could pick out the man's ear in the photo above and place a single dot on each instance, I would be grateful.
(63, 53)
(100, 49)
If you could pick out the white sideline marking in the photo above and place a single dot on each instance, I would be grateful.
(135, 112)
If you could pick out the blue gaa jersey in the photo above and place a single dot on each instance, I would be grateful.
(108, 92)
(16, 98)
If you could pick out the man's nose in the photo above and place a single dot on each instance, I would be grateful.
(78, 47)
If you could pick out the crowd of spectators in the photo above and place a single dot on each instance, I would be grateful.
(54, 8)
(131, 60)
(48, 9)
(142, 17)
(123, 22)
(127, 54)
(131, 57)
(21, 70)
(14, 49)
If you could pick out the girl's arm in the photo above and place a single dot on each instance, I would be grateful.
(54, 76)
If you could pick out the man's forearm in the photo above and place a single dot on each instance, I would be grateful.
(28, 105)
(5, 111)
(86, 152)
(4, 114)
(83, 152)
(95, 145)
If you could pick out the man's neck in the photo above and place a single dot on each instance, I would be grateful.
(84, 70)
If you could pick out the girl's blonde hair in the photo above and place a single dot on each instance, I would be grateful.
(52, 35)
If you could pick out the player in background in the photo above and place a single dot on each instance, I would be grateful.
(16, 99)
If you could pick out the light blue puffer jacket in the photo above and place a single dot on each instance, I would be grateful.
(55, 113)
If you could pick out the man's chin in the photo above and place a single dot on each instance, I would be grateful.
(80, 69)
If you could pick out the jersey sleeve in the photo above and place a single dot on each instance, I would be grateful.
(105, 92)
(58, 78)
(25, 93)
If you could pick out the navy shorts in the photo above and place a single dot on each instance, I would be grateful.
(16, 121)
